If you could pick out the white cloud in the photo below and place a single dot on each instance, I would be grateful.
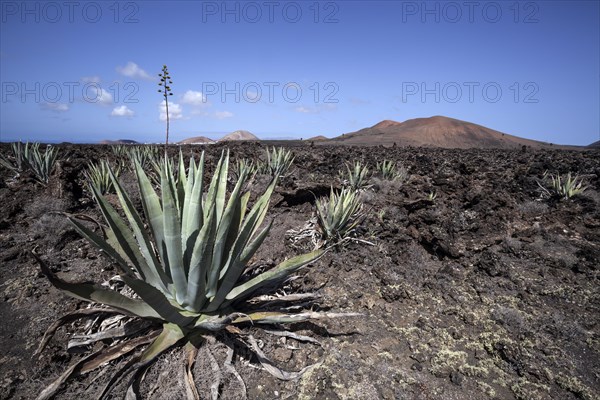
(132, 70)
(175, 111)
(195, 98)
(56, 107)
(303, 110)
(95, 94)
(122, 111)
(223, 114)
(104, 97)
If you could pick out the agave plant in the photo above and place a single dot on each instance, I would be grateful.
(146, 156)
(279, 161)
(390, 171)
(432, 196)
(42, 163)
(357, 176)
(18, 162)
(387, 169)
(99, 176)
(338, 215)
(29, 157)
(243, 166)
(567, 186)
(188, 269)
(119, 150)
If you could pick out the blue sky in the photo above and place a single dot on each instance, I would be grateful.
(86, 71)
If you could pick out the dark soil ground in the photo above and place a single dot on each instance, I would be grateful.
(486, 292)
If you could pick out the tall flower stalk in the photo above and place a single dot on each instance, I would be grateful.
(165, 89)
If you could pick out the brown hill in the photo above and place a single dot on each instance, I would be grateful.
(196, 140)
(120, 141)
(317, 138)
(595, 145)
(238, 135)
(436, 131)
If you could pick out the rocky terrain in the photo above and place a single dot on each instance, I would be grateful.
(488, 291)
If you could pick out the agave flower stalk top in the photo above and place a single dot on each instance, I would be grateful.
(165, 89)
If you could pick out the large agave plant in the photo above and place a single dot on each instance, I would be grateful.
(187, 269)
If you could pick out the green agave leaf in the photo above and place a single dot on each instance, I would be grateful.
(281, 271)
(225, 224)
(222, 187)
(172, 237)
(98, 294)
(122, 233)
(101, 244)
(233, 269)
(153, 211)
(238, 216)
(152, 268)
(193, 214)
(212, 189)
(181, 184)
(255, 244)
(200, 263)
(169, 337)
(157, 300)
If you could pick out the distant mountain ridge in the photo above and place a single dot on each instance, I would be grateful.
(233, 136)
(437, 131)
(595, 145)
(119, 141)
(196, 140)
(238, 135)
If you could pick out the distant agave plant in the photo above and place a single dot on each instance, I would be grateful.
(278, 162)
(29, 157)
(564, 187)
(243, 167)
(357, 176)
(390, 171)
(144, 155)
(99, 175)
(338, 215)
